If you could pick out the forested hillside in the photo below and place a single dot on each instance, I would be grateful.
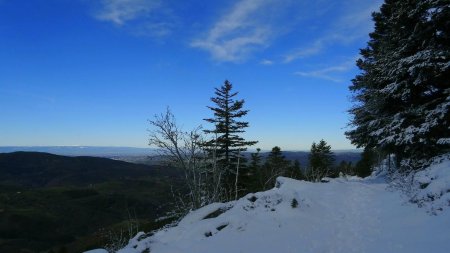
(76, 203)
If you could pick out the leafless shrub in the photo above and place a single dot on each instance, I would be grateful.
(184, 150)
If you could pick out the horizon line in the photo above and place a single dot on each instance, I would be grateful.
(134, 147)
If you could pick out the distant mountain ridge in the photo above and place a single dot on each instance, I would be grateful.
(146, 155)
(37, 169)
(81, 150)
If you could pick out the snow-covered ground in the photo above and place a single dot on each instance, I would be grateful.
(344, 215)
(431, 187)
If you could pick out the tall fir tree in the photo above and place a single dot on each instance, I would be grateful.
(228, 143)
(402, 96)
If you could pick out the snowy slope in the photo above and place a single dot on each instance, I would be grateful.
(432, 186)
(344, 215)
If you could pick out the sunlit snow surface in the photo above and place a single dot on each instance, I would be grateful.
(344, 215)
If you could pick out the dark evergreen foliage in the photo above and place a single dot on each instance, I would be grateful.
(228, 143)
(295, 171)
(276, 162)
(276, 165)
(252, 179)
(364, 166)
(402, 96)
(346, 168)
(321, 161)
(256, 159)
(262, 176)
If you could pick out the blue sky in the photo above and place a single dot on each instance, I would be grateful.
(91, 72)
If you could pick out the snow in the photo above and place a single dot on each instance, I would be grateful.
(443, 141)
(97, 251)
(345, 215)
(433, 186)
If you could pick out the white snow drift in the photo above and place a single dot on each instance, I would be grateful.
(344, 215)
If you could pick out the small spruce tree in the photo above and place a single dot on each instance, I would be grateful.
(276, 165)
(295, 171)
(321, 161)
(252, 180)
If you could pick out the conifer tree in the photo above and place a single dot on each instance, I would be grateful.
(227, 127)
(364, 166)
(256, 158)
(346, 168)
(253, 179)
(276, 165)
(402, 96)
(276, 159)
(294, 171)
(321, 161)
(228, 144)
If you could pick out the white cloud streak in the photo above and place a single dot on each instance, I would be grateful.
(266, 62)
(329, 73)
(317, 46)
(139, 17)
(157, 30)
(236, 33)
(121, 11)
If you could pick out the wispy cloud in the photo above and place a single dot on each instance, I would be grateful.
(266, 62)
(237, 33)
(329, 73)
(139, 17)
(154, 29)
(121, 11)
(315, 48)
(352, 26)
